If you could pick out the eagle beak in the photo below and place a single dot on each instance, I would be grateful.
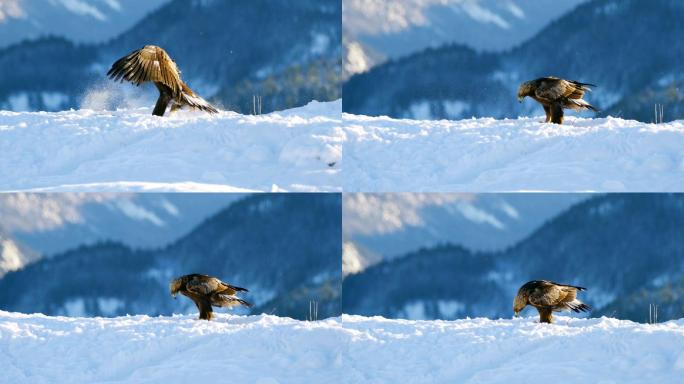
(515, 314)
(174, 295)
(520, 99)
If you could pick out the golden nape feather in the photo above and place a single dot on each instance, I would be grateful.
(153, 64)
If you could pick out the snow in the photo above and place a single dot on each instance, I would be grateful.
(141, 349)
(608, 154)
(10, 256)
(512, 351)
(350, 349)
(131, 150)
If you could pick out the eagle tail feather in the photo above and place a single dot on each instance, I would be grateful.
(581, 103)
(238, 289)
(245, 303)
(229, 301)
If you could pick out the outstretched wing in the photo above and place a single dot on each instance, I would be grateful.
(150, 63)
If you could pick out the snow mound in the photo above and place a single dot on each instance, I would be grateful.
(351, 349)
(123, 150)
(608, 154)
(140, 349)
(513, 351)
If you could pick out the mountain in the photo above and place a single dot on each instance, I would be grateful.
(82, 21)
(377, 31)
(587, 44)
(384, 226)
(627, 249)
(13, 255)
(50, 223)
(276, 245)
(286, 51)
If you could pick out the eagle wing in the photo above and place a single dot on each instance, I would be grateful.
(208, 285)
(553, 88)
(546, 295)
(201, 286)
(195, 101)
(225, 288)
(150, 63)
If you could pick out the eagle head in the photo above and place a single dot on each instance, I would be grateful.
(525, 89)
(519, 303)
(175, 286)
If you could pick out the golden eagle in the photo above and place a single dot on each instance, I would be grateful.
(554, 94)
(151, 63)
(206, 291)
(548, 297)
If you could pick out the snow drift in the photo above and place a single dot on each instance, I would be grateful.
(512, 351)
(124, 150)
(608, 154)
(140, 349)
(351, 349)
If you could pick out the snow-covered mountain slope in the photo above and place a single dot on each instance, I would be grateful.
(81, 21)
(608, 154)
(393, 224)
(123, 150)
(479, 350)
(13, 255)
(140, 349)
(390, 29)
(50, 223)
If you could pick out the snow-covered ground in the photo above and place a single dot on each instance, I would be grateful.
(608, 154)
(350, 349)
(513, 351)
(125, 150)
(139, 349)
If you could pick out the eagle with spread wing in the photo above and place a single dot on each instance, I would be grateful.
(548, 297)
(207, 291)
(555, 94)
(151, 63)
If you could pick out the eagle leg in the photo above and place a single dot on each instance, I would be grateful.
(545, 315)
(203, 305)
(556, 113)
(165, 97)
(547, 110)
(206, 314)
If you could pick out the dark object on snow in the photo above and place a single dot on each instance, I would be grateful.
(151, 63)
(548, 297)
(206, 291)
(554, 94)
